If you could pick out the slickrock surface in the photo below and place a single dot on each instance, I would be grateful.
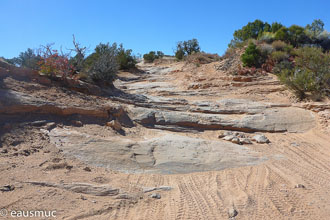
(166, 154)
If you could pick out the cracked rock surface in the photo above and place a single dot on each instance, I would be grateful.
(167, 154)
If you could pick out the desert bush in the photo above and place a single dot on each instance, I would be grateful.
(191, 46)
(102, 64)
(29, 59)
(251, 40)
(315, 29)
(288, 49)
(186, 48)
(279, 56)
(323, 39)
(258, 29)
(252, 56)
(152, 55)
(125, 58)
(160, 54)
(251, 30)
(276, 26)
(282, 34)
(310, 74)
(285, 64)
(279, 45)
(299, 81)
(265, 49)
(179, 54)
(77, 61)
(54, 64)
(297, 36)
(149, 57)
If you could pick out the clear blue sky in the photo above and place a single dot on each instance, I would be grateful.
(143, 25)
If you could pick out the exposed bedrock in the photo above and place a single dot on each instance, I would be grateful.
(230, 114)
(169, 153)
(276, 119)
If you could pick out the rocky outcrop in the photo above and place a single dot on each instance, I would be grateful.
(168, 153)
(235, 137)
(233, 106)
(261, 139)
(265, 119)
(229, 114)
(12, 102)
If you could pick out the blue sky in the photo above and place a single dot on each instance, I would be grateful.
(142, 25)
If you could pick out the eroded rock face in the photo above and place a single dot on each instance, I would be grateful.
(277, 119)
(12, 102)
(240, 115)
(166, 154)
(232, 106)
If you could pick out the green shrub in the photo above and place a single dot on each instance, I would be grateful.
(297, 36)
(179, 54)
(28, 59)
(186, 48)
(279, 56)
(315, 29)
(125, 58)
(310, 74)
(285, 64)
(160, 54)
(276, 26)
(299, 81)
(251, 30)
(288, 49)
(294, 35)
(152, 55)
(282, 34)
(252, 56)
(102, 64)
(279, 45)
(149, 57)
(323, 39)
(265, 49)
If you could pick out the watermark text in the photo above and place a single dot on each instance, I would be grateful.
(28, 213)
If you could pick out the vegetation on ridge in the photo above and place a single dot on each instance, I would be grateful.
(298, 55)
(101, 66)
